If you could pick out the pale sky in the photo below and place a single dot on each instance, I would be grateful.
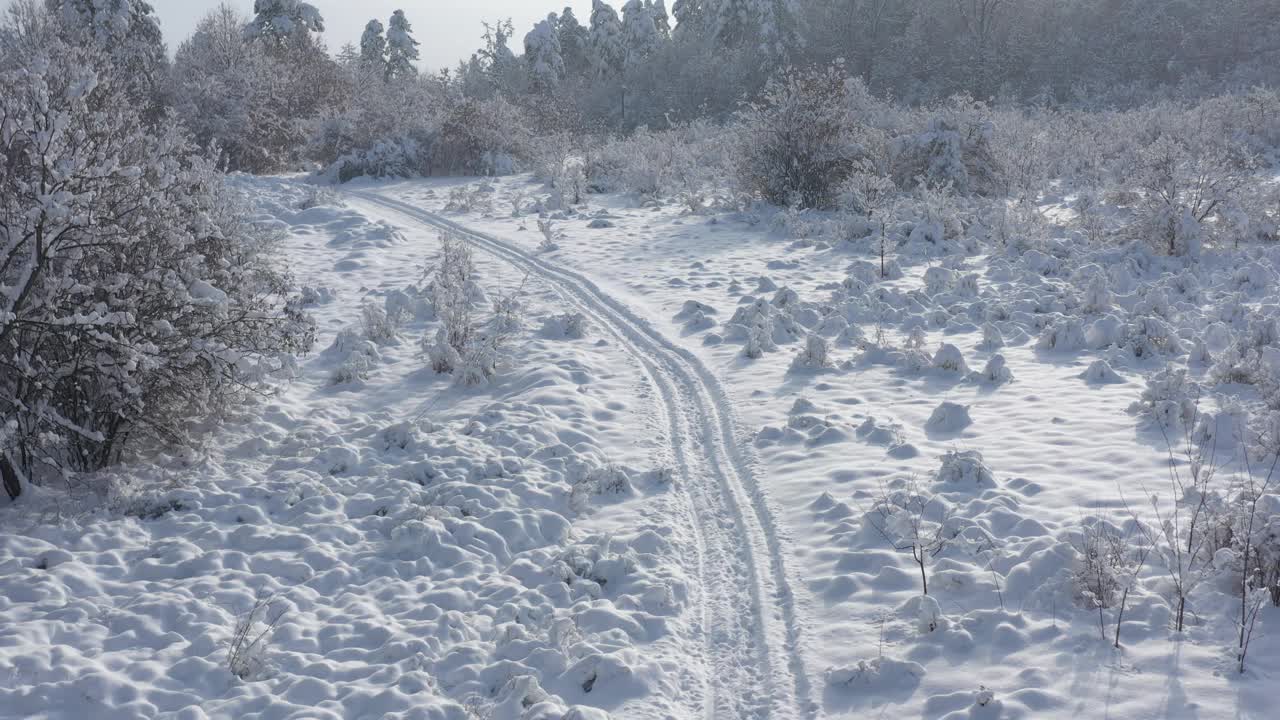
(448, 31)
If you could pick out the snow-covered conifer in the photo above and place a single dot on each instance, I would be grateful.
(607, 51)
(284, 23)
(373, 45)
(402, 49)
(542, 53)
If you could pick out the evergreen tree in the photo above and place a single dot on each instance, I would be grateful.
(574, 44)
(661, 20)
(373, 46)
(402, 49)
(284, 24)
(542, 53)
(640, 36)
(607, 51)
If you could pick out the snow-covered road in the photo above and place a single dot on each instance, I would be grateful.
(752, 638)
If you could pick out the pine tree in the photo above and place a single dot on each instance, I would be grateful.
(284, 24)
(402, 49)
(764, 26)
(607, 51)
(574, 44)
(640, 37)
(542, 53)
(373, 46)
(661, 20)
(690, 19)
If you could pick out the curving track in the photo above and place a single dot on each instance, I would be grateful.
(749, 618)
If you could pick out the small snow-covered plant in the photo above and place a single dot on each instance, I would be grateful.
(376, 324)
(479, 358)
(814, 355)
(1171, 399)
(992, 339)
(1260, 549)
(1187, 532)
(451, 291)
(995, 372)
(911, 519)
(250, 636)
(950, 359)
(984, 696)
(1094, 571)
(549, 235)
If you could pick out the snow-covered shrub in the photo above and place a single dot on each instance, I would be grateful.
(953, 151)
(569, 325)
(251, 635)
(1170, 398)
(762, 325)
(995, 372)
(1063, 335)
(1094, 577)
(451, 298)
(137, 300)
(965, 469)
(911, 519)
(376, 324)
(949, 417)
(814, 356)
(950, 359)
(1186, 181)
(481, 137)
(799, 144)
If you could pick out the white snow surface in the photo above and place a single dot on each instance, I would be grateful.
(655, 509)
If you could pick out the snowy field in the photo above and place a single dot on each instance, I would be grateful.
(695, 487)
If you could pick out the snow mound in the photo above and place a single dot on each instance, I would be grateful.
(878, 675)
(1100, 372)
(949, 417)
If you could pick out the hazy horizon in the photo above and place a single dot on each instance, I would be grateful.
(447, 32)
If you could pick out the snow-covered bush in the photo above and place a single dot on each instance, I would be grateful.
(1187, 181)
(799, 144)
(136, 299)
(451, 298)
(1170, 398)
(953, 151)
(814, 356)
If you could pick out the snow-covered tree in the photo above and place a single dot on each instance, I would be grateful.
(607, 50)
(373, 45)
(249, 99)
(127, 31)
(574, 43)
(284, 23)
(402, 49)
(542, 54)
(765, 26)
(661, 20)
(134, 297)
(640, 36)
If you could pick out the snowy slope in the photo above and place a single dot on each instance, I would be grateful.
(670, 500)
(1020, 452)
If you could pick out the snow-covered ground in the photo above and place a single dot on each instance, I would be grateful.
(676, 512)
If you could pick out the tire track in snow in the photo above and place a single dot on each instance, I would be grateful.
(752, 639)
